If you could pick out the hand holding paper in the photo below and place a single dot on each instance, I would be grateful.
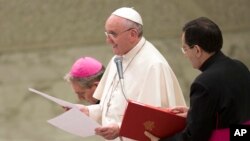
(75, 120)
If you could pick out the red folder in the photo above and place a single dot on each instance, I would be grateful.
(139, 117)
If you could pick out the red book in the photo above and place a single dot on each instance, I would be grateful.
(139, 117)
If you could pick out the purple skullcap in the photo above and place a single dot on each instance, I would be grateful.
(85, 67)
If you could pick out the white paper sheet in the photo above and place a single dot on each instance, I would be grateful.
(75, 122)
(56, 100)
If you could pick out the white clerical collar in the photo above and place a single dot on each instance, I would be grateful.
(134, 50)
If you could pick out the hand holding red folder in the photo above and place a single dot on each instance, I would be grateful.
(180, 111)
(151, 137)
(139, 117)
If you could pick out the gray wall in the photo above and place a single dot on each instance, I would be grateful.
(40, 39)
(64, 23)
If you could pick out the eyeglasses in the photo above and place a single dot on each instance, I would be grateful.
(115, 35)
(184, 49)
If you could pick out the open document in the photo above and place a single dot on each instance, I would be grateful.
(73, 121)
(56, 100)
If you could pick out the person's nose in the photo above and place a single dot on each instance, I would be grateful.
(109, 40)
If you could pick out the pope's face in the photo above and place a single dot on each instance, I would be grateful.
(118, 35)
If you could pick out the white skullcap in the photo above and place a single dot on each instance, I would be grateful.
(128, 13)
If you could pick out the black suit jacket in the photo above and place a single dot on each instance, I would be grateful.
(219, 97)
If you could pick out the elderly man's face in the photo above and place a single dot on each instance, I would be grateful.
(84, 93)
(118, 35)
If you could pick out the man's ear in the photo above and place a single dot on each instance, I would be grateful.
(198, 51)
(133, 35)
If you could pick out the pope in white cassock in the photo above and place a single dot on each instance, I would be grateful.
(148, 77)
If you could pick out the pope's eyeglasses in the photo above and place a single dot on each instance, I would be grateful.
(115, 35)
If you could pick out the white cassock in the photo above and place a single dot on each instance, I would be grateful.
(148, 78)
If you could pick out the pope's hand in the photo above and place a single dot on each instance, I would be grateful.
(109, 132)
(151, 137)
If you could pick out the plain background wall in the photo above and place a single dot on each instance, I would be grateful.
(64, 23)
